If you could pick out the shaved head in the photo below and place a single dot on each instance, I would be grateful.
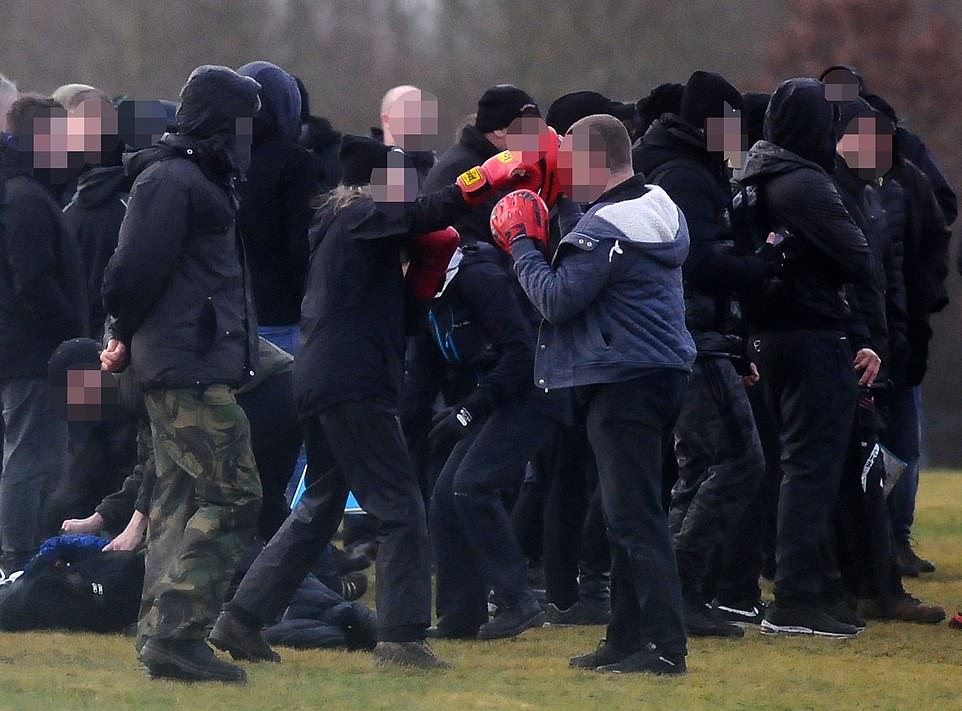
(613, 137)
(393, 95)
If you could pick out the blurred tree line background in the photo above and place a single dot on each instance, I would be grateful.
(348, 52)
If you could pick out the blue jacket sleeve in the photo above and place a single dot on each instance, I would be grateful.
(563, 291)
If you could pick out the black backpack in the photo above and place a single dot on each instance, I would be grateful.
(97, 593)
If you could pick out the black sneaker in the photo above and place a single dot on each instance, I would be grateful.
(187, 659)
(805, 620)
(578, 614)
(910, 564)
(415, 655)
(844, 613)
(351, 586)
(240, 641)
(648, 661)
(510, 621)
(605, 654)
(700, 622)
(740, 613)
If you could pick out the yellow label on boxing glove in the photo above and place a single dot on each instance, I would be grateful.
(470, 177)
(505, 157)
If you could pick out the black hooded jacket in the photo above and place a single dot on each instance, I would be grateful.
(94, 217)
(674, 156)
(176, 284)
(880, 302)
(827, 249)
(275, 199)
(473, 149)
(352, 326)
(42, 296)
(483, 352)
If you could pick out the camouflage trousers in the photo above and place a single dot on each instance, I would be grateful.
(204, 507)
(720, 465)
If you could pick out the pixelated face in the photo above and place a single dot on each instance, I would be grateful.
(90, 395)
(48, 143)
(89, 126)
(865, 149)
(396, 183)
(583, 164)
(725, 136)
(841, 86)
(141, 123)
(243, 139)
(528, 136)
(413, 120)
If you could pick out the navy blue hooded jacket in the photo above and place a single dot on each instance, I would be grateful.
(275, 199)
(612, 298)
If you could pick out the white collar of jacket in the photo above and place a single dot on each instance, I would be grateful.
(651, 218)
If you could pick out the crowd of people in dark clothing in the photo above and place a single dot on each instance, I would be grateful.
(609, 364)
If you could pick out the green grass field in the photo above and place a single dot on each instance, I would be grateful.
(890, 666)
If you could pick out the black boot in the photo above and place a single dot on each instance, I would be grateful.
(188, 659)
(510, 621)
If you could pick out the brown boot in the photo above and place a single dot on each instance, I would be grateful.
(904, 608)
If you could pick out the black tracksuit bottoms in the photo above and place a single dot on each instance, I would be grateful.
(357, 446)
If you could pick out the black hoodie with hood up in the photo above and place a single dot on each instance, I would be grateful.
(275, 199)
(176, 286)
(828, 250)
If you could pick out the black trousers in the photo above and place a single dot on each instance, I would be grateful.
(810, 387)
(720, 464)
(626, 425)
(577, 560)
(355, 446)
(475, 548)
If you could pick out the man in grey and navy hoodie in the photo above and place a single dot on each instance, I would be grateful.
(614, 330)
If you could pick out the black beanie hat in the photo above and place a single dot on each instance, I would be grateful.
(213, 98)
(567, 110)
(359, 156)
(502, 104)
(664, 98)
(706, 94)
(76, 353)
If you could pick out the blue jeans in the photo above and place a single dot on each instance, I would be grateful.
(34, 457)
(903, 437)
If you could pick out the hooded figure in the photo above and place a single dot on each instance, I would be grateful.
(185, 323)
(803, 347)
(790, 167)
(275, 204)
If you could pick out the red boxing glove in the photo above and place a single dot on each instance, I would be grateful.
(550, 187)
(520, 215)
(504, 171)
(429, 255)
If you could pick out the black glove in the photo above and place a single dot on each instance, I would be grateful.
(451, 424)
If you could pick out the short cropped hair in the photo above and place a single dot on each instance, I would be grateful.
(617, 144)
(28, 108)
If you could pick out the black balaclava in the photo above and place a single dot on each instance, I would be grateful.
(801, 120)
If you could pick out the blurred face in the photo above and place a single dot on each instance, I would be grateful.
(89, 127)
(413, 121)
(90, 395)
(141, 123)
(583, 165)
(841, 86)
(529, 136)
(724, 136)
(49, 143)
(396, 183)
(865, 149)
(243, 138)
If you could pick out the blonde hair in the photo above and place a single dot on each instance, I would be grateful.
(342, 196)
